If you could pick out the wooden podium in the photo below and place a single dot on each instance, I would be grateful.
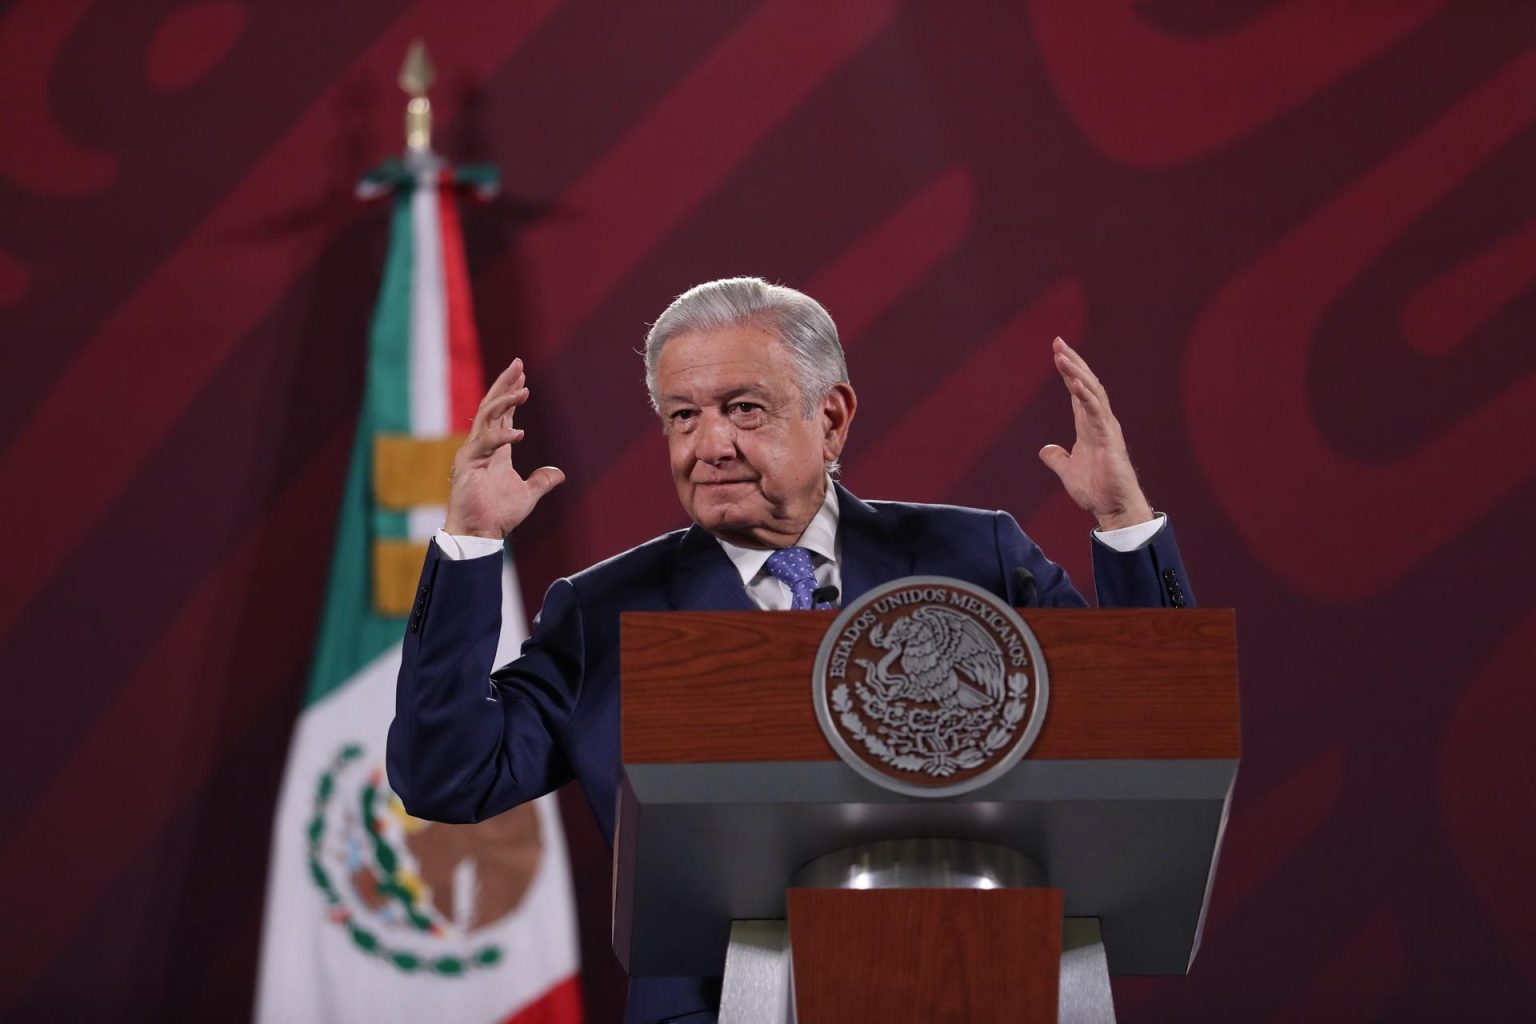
(730, 789)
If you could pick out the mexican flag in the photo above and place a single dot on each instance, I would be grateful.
(373, 915)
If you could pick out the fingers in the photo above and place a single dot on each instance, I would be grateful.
(1093, 402)
(492, 438)
(493, 425)
(1072, 366)
(505, 379)
(1090, 401)
(498, 409)
(509, 381)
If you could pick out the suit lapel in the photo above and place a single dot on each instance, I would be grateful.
(703, 578)
(870, 556)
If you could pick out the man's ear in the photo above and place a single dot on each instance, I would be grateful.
(837, 411)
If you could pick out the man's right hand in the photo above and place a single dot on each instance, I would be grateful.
(488, 498)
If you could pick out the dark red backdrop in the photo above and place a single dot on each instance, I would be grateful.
(1298, 240)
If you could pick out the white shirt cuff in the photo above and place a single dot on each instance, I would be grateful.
(1129, 538)
(457, 549)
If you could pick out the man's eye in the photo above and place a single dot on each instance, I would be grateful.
(743, 407)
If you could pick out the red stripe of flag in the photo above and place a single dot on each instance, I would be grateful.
(466, 377)
(560, 1005)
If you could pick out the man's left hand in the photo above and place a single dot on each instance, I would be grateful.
(1097, 473)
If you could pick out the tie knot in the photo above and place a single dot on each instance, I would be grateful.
(793, 567)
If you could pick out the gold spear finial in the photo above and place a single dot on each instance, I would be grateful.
(416, 78)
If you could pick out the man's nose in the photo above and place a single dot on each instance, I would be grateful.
(716, 440)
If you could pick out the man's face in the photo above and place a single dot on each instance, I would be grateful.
(748, 464)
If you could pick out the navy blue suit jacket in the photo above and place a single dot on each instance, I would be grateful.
(468, 743)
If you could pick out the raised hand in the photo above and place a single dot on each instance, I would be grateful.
(1097, 473)
(488, 498)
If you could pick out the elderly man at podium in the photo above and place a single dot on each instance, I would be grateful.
(752, 389)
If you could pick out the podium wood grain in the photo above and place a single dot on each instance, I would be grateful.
(1124, 684)
(925, 956)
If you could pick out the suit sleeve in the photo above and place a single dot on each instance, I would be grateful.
(1151, 576)
(467, 743)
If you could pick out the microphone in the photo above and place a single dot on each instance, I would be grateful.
(824, 595)
(1024, 583)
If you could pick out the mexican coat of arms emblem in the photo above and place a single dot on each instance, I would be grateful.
(930, 686)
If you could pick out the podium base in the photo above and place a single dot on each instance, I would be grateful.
(758, 987)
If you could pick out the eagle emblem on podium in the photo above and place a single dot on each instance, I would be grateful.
(930, 686)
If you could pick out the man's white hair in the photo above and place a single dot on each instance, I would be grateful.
(796, 319)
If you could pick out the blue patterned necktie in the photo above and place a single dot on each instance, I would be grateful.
(793, 567)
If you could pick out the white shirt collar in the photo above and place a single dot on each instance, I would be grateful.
(819, 538)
